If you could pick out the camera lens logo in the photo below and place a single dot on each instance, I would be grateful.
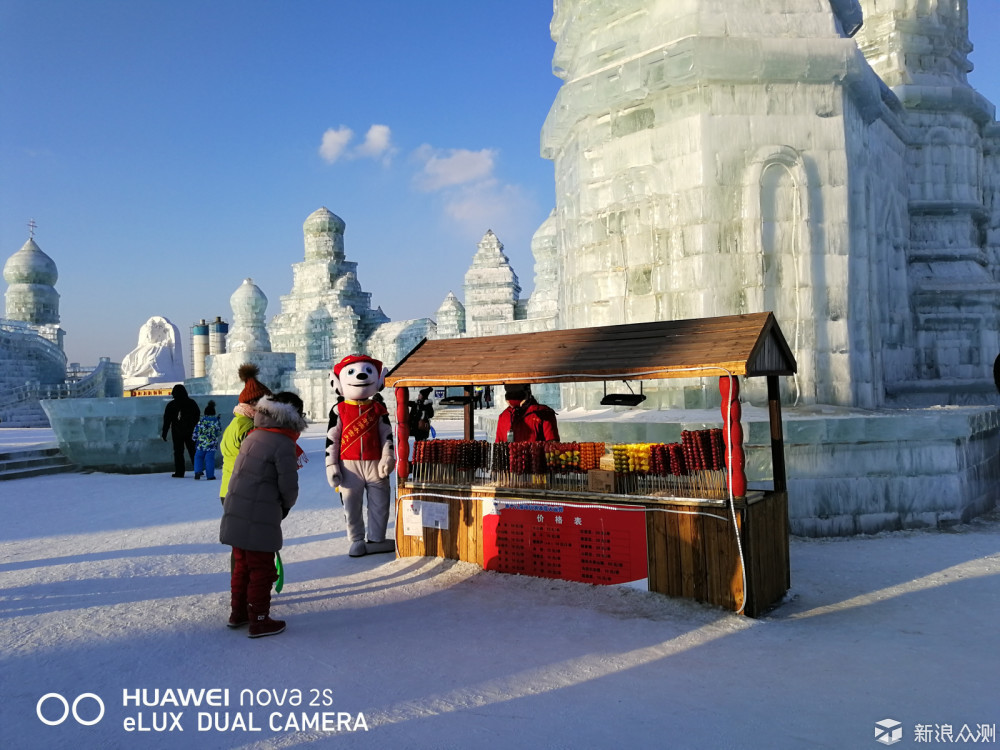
(888, 731)
(67, 709)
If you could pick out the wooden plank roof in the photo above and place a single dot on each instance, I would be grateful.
(750, 345)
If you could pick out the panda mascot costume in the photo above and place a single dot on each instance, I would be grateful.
(359, 451)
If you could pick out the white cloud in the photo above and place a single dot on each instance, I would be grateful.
(471, 198)
(378, 143)
(488, 204)
(456, 166)
(334, 143)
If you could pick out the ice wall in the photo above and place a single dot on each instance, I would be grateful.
(850, 471)
(120, 435)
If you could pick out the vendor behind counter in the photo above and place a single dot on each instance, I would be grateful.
(525, 420)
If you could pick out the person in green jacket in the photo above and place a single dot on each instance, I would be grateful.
(242, 423)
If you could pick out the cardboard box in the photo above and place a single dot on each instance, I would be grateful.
(599, 480)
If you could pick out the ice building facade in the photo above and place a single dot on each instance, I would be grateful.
(725, 156)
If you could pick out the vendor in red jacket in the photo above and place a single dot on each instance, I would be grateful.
(524, 419)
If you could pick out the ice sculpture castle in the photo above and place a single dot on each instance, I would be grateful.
(31, 341)
(326, 316)
(32, 361)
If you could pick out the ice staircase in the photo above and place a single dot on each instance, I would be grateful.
(33, 462)
(24, 414)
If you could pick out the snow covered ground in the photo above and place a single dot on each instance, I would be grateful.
(113, 585)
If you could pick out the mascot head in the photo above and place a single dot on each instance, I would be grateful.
(358, 377)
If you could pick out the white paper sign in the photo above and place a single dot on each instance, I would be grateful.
(418, 514)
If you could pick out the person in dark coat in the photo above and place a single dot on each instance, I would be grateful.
(263, 488)
(179, 419)
(525, 420)
(420, 415)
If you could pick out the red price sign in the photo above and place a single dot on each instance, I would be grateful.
(605, 545)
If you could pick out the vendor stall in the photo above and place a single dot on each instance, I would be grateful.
(674, 518)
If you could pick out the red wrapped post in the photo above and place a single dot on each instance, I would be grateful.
(402, 433)
(732, 435)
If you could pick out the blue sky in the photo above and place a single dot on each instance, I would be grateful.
(168, 150)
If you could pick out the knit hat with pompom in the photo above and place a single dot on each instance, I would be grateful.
(253, 389)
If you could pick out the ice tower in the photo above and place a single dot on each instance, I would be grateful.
(31, 341)
(543, 304)
(491, 289)
(247, 341)
(32, 361)
(31, 295)
(327, 315)
(450, 318)
(249, 329)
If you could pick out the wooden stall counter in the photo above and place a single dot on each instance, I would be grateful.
(730, 553)
(677, 546)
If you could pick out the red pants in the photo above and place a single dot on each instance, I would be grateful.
(253, 575)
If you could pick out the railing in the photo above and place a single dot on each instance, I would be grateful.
(31, 338)
(103, 380)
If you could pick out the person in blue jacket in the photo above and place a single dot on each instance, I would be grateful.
(206, 439)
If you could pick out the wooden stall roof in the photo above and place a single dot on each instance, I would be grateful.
(750, 345)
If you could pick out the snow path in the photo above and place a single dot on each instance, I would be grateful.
(115, 583)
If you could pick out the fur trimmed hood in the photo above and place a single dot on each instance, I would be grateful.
(271, 413)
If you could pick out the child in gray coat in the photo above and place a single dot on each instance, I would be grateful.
(263, 488)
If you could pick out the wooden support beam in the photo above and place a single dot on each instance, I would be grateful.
(777, 434)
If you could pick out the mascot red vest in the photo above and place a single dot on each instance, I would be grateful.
(359, 452)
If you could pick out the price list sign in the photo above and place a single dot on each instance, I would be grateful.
(605, 545)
